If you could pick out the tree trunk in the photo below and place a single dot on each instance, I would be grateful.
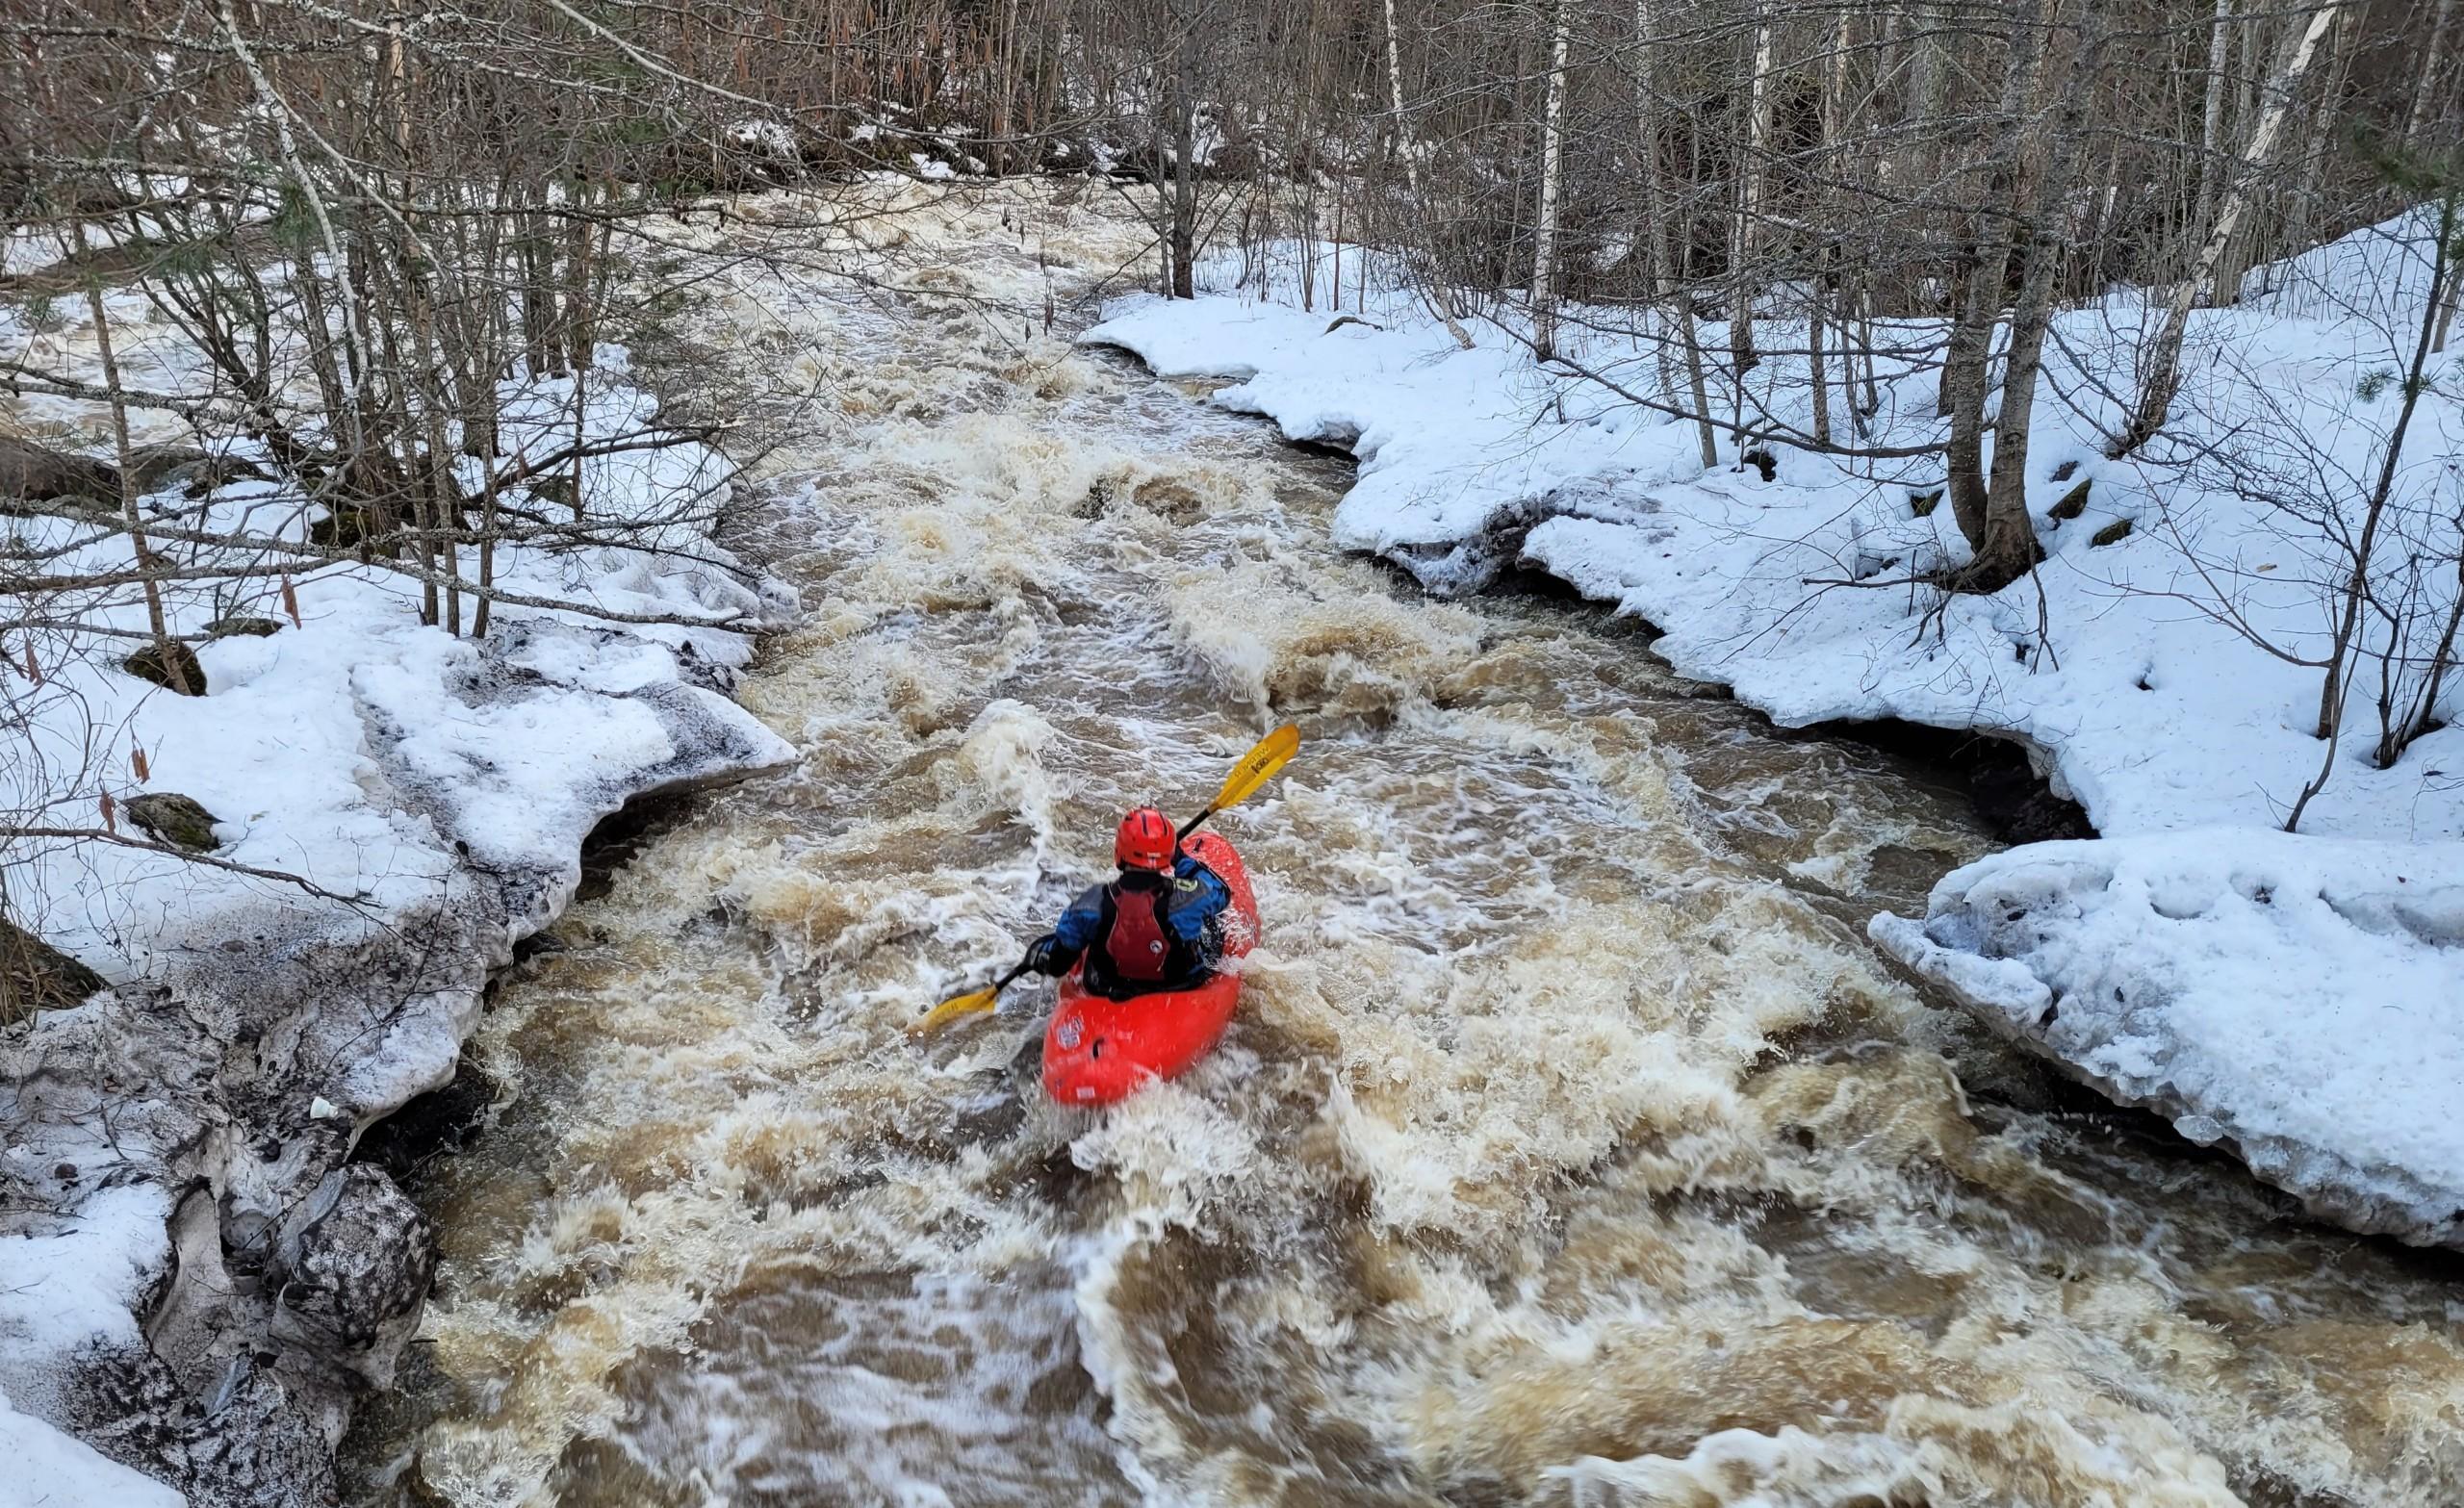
(2421, 714)
(1869, 402)
(2211, 141)
(2446, 307)
(1648, 151)
(1964, 388)
(2009, 548)
(1824, 284)
(2434, 62)
(1982, 269)
(109, 357)
(1441, 298)
(1544, 243)
(1749, 209)
(2161, 370)
(1687, 323)
(1816, 370)
(354, 438)
(1911, 168)
(2312, 165)
(2331, 695)
(1184, 185)
(579, 325)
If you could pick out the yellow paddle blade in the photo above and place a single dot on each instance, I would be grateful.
(1257, 766)
(949, 1011)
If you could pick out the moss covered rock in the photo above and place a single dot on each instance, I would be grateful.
(154, 662)
(175, 819)
(2074, 503)
(2112, 533)
(240, 625)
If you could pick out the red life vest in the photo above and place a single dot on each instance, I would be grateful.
(1136, 946)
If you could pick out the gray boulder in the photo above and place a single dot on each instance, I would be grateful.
(352, 1268)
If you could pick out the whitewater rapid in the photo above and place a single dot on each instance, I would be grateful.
(1572, 1145)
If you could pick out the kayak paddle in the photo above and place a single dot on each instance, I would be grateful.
(949, 1011)
(1272, 752)
(1256, 767)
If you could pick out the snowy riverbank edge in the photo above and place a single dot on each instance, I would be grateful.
(2292, 999)
(210, 1116)
(2276, 995)
(215, 1281)
(196, 1280)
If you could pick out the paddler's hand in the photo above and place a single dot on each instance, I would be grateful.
(1043, 956)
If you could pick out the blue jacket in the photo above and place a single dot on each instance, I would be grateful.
(1189, 910)
(1185, 917)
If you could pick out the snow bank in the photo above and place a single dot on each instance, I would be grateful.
(1446, 439)
(2270, 993)
(2293, 998)
(344, 742)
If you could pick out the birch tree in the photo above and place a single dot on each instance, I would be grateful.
(1544, 239)
(2159, 364)
(2211, 138)
(1755, 147)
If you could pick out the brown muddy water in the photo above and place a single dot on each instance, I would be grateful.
(1571, 1147)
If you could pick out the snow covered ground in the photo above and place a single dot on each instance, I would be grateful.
(47, 1466)
(393, 807)
(2163, 665)
(338, 747)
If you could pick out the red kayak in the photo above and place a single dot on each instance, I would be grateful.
(1096, 1051)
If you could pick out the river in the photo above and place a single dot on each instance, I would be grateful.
(1571, 1146)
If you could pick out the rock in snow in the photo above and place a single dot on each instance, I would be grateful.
(175, 819)
(2299, 1000)
(350, 1270)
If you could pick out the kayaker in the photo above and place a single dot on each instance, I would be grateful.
(1155, 928)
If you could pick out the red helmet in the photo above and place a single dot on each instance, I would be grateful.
(1146, 840)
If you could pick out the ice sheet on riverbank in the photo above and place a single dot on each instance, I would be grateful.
(2295, 998)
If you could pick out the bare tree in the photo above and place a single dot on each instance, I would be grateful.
(1544, 241)
(2160, 367)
